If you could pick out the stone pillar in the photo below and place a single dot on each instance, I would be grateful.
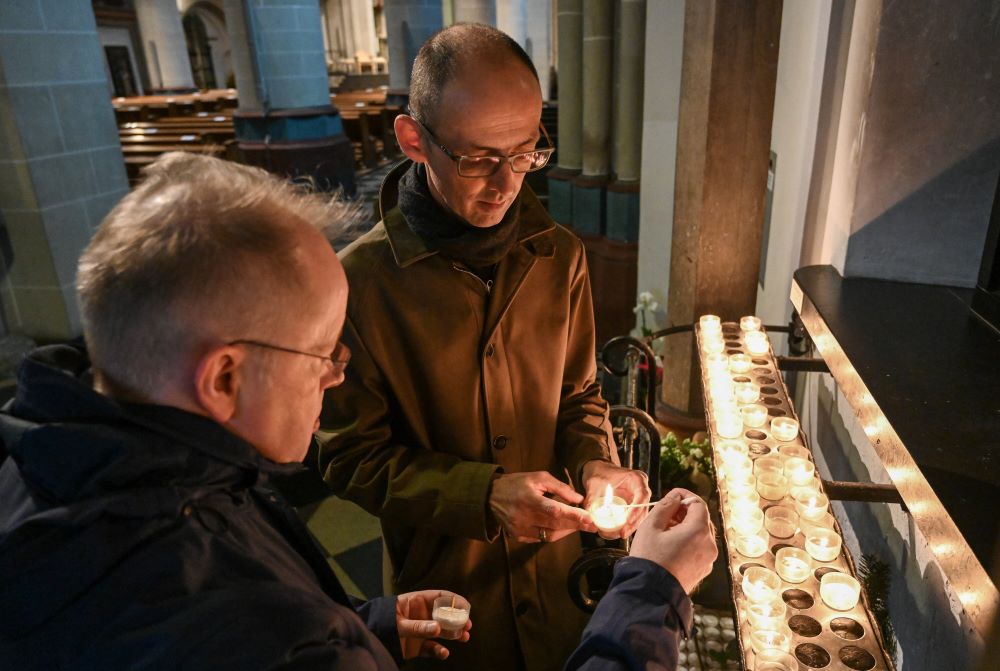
(569, 24)
(285, 122)
(408, 25)
(728, 77)
(588, 187)
(538, 40)
(512, 18)
(61, 167)
(164, 45)
(476, 11)
(623, 194)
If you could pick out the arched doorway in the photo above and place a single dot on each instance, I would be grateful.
(199, 51)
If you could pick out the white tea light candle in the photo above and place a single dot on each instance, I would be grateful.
(792, 564)
(767, 614)
(781, 521)
(753, 545)
(785, 429)
(754, 415)
(839, 591)
(739, 363)
(756, 342)
(772, 485)
(750, 323)
(761, 585)
(710, 324)
(746, 392)
(809, 505)
(609, 513)
(451, 612)
(799, 471)
(823, 544)
(766, 639)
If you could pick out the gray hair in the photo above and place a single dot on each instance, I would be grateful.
(444, 54)
(202, 248)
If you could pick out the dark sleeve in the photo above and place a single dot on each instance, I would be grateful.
(379, 615)
(638, 623)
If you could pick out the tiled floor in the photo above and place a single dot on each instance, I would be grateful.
(353, 543)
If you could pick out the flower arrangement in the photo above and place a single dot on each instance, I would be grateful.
(681, 461)
(645, 303)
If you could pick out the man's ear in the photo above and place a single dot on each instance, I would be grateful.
(218, 377)
(408, 137)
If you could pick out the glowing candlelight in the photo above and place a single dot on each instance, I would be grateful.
(773, 464)
(804, 491)
(774, 660)
(781, 521)
(792, 564)
(717, 364)
(739, 363)
(753, 545)
(746, 392)
(799, 471)
(724, 447)
(772, 485)
(451, 612)
(824, 521)
(745, 498)
(788, 450)
(741, 485)
(811, 506)
(710, 324)
(609, 513)
(784, 428)
(761, 585)
(728, 424)
(713, 345)
(767, 639)
(736, 466)
(839, 591)
(747, 521)
(754, 415)
(823, 544)
(767, 614)
(750, 323)
(756, 342)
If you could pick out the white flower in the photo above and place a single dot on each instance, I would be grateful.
(646, 302)
(696, 453)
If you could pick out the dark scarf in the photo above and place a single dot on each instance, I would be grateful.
(448, 233)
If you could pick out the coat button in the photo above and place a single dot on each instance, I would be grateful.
(521, 608)
(499, 442)
(490, 349)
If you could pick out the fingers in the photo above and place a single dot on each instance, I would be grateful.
(558, 488)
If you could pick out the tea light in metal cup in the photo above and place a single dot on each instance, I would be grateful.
(713, 345)
(717, 364)
(753, 545)
(736, 466)
(769, 463)
(811, 506)
(823, 544)
(774, 660)
(754, 415)
(739, 363)
(824, 521)
(746, 520)
(609, 513)
(710, 324)
(799, 471)
(746, 392)
(792, 564)
(768, 639)
(785, 428)
(756, 342)
(772, 485)
(781, 521)
(767, 614)
(451, 612)
(728, 424)
(740, 483)
(811, 489)
(750, 323)
(839, 591)
(761, 585)
(737, 503)
(725, 446)
(788, 450)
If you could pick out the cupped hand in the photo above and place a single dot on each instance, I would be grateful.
(630, 485)
(535, 507)
(415, 627)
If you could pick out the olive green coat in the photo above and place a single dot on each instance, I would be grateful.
(451, 381)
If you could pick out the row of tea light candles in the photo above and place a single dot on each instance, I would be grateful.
(744, 482)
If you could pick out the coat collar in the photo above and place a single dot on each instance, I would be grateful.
(409, 248)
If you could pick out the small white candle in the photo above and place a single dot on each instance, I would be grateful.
(750, 323)
(811, 506)
(761, 585)
(756, 342)
(839, 591)
(754, 415)
(766, 639)
(792, 564)
(788, 450)
(804, 491)
(739, 363)
(772, 485)
(781, 521)
(784, 428)
(721, 392)
(824, 521)
(728, 424)
(723, 447)
(710, 323)
(746, 392)
(744, 498)
(451, 612)
(823, 544)
(736, 466)
(717, 364)
(609, 513)
(747, 521)
(768, 464)
(799, 471)
(712, 345)
(774, 660)
(767, 614)
(751, 546)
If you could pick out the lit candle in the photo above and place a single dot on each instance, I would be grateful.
(772, 485)
(753, 545)
(740, 483)
(756, 342)
(823, 544)
(712, 345)
(804, 491)
(750, 323)
(754, 415)
(781, 521)
(728, 424)
(609, 513)
(717, 364)
(451, 612)
(767, 639)
(710, 324)
(739, 363)
(774, 660)
(792, 564)
(773, 464)
(767, 614)
(739, 505)
(839, 591)
(736, 466)
(761, 585)
(721, 391)
(824, 521)
(799, 471)
(747, 521)
(723, 447)
(788, 450)
(784, 428)
(746, 392)
(811, 506)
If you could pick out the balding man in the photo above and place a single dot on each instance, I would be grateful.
(137, 529)
(471, 406)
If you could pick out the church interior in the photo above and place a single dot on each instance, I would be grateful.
(831, 167)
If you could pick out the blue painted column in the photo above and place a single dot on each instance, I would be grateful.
(408, 24)
(569, 24)
(286, 122)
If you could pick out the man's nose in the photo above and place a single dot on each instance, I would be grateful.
(505, 180)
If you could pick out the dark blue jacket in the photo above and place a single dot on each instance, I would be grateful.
(140, 536)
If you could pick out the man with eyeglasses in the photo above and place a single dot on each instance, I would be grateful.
(470, 420)
(137, 527)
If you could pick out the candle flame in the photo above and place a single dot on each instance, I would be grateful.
(608, 496)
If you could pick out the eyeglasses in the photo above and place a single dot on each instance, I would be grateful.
(339, 358)
(484, 166)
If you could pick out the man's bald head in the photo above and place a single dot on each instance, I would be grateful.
(447, 53)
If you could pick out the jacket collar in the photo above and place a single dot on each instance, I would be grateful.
(409, 248)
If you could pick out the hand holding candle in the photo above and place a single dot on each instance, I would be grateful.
(628, 486)
(525, 503)
(418, 622)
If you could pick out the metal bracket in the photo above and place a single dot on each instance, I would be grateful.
(802, 364)
(863, 491)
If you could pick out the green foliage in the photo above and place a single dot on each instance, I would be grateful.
(876, 578)
(680, 460)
